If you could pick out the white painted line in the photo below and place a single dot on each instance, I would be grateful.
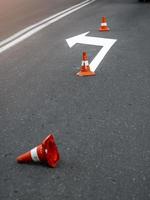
(29, 31)
(83, 39)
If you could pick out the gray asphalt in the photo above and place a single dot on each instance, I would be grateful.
(101, 124)
(18, 14)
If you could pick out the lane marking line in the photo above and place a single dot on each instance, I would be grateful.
(29, 31)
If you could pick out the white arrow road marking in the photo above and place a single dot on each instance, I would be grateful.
(27, 32)
(83, 39)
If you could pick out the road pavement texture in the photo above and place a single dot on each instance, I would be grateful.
(100, 123)
(18, 14)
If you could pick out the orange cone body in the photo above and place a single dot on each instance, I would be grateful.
(35, 154)
(45, 152)
(85, 68)
(24, 158)
(104, 26)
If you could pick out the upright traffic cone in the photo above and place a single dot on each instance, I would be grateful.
(46, 152)
(85, 68)
(104, 26)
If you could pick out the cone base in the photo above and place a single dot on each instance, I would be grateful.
(104, 29)
(86, 73)
(52, 153)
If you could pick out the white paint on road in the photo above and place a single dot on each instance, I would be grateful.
(97, 41)
(29, 31)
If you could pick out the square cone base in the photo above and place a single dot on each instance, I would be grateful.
(103, 29)
(86, 73)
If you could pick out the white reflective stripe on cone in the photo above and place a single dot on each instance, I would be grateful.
(34, 155)
(82, 63)
(86, 63)
(103, 24)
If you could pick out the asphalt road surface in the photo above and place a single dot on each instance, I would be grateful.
(101, 123)
(17, 14)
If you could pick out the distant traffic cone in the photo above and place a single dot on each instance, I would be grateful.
(104, 26)
(85, 68)
(45, 152)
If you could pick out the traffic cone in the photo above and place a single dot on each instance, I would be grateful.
(104, 26)
(45, 152)
(85, 68)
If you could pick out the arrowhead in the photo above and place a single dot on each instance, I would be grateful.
(76, 39)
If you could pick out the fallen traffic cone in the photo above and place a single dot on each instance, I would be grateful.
(85, 68)
(45, 152)
(104, 26)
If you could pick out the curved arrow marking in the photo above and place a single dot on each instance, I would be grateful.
(83, 39)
